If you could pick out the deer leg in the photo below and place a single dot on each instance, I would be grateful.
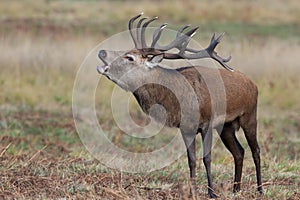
(232, 144)
(191, 153)
(190, 143)
(252, 141)
(249, 126)
(207, 143)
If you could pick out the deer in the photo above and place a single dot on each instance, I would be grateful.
(187, 103)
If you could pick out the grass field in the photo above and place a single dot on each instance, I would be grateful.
(42, 47)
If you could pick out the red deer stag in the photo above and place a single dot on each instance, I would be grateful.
(138, 71)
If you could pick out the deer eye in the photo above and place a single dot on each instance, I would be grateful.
(130, 58)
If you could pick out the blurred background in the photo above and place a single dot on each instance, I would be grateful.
(43, 43)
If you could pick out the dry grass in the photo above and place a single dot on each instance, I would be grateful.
(267, 11)
(41, 157)
(33, 65)
(46, 64)
(42, 48)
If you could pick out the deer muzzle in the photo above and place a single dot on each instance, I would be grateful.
(102, 69)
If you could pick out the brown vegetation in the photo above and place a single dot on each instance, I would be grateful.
(42, 47)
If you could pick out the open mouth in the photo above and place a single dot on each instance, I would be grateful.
(102, 69)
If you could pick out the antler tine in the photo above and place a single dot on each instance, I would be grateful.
(213, 37)
(214, 42)
(227, 59)
(138, 31)
(143, 40)
(179, 32)
(191, 32)
(222, 61)
(130, 25)
(220, 37)
(157, 34)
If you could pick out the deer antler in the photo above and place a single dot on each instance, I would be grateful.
(180, 42)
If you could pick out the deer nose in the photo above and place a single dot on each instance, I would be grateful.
(102, 54)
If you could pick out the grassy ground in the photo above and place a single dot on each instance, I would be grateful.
(42, 157)
(42, 47)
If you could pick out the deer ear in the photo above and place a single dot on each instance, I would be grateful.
(154, 61)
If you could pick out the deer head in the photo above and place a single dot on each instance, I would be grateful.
(129, 68)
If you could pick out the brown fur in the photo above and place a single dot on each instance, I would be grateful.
(193, 98)
(241, 104)
(241, 94)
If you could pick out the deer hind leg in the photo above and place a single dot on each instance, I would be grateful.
(232, 144)
(249, 126)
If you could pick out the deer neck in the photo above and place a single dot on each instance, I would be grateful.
(158, 92)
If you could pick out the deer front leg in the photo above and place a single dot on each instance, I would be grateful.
(207, 143)
(191, 153)
(189, 141)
